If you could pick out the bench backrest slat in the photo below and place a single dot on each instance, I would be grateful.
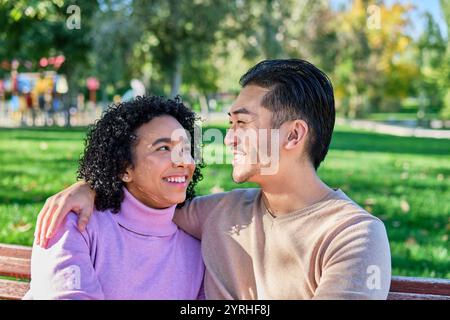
(15, 267)
(415, 296)
(15, 251)
(13, 290)
(15, 261)
(420, 285)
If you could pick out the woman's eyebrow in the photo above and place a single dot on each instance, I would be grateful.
(162, 140)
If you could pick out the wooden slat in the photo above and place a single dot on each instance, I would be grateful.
(13, 290)
(15, 251)
(16, 290)
(415, 296)
(15, 267)
(421, 285)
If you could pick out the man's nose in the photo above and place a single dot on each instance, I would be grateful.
(230, 138)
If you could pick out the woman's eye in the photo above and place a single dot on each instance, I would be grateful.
(164, 148)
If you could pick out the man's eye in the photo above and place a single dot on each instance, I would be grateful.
(163, 148)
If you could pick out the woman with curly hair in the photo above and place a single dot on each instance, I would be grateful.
(138, 159)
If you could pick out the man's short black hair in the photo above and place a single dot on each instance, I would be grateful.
(298, 90)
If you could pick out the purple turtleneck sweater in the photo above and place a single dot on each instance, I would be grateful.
(138, 253)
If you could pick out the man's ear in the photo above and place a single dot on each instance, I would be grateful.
(297, 131)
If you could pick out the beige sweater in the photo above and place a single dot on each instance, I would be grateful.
(331, 250)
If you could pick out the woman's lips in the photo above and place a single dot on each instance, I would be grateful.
(177, 180)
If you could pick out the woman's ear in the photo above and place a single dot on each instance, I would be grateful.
(295, 136)
(127, 177)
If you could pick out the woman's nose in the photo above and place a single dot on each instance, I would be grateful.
(182, 158)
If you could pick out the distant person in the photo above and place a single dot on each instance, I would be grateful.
(41, 87)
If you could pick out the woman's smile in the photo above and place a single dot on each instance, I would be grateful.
(179, 181)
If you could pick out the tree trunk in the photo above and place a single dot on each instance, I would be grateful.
(176, 78)
(204, 106)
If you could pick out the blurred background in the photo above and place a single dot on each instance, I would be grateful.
(63, 62)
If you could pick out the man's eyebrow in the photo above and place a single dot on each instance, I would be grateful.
(240, 111)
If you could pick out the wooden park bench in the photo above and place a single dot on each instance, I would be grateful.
(15, 264)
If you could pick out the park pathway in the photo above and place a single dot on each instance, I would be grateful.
(395, 130)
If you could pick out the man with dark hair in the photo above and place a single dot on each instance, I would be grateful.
(298, 90)
(292, 238)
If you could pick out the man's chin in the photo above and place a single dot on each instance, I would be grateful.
(241, 175)
(238, 179)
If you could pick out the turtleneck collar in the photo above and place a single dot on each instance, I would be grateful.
(138, 218)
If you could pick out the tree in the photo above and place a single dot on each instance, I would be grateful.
(353, 73)
(372, 70)
(430, 57)
(445, 67)
(115, 37)
(35, 29)
(180, 35)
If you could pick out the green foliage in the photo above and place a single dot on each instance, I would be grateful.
(445, 113)
(445, 65)
(198, 48)
(35, 29)
(181, 35)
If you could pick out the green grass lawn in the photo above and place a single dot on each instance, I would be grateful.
(403, 181)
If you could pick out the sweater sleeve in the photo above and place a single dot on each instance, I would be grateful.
(65, 269)
(356, 263)
(192, 216)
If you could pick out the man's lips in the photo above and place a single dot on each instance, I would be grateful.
(237, 151)
(238, 157)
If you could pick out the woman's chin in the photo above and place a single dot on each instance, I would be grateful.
(177, 200)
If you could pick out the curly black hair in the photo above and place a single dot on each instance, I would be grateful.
(110, 141)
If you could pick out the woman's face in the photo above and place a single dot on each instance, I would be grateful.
(163, 166)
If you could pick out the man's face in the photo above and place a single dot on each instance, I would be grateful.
(247, 118)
